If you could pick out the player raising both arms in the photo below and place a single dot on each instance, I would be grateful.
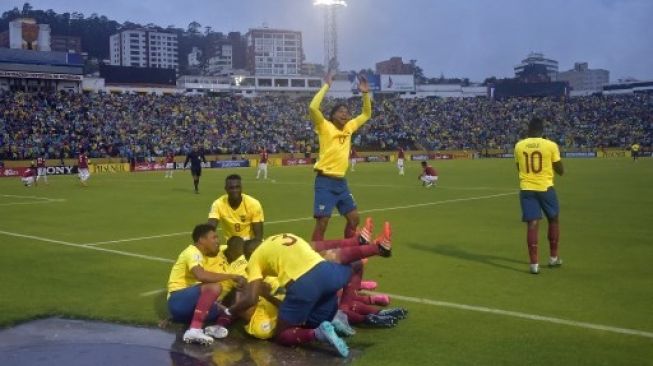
(537, 158)
(331, 189)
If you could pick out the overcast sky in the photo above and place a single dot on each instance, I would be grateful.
(459, 38)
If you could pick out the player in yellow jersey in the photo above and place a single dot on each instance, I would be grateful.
(634, 151)
(537, 159)
(238, 214)
(307, 312)
(331, 190)
(192, 290)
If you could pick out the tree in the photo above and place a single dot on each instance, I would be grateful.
(194, 27)
(27, 8)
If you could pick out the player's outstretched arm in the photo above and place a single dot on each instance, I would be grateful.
(257, 227)
(314, 108)
(366, 113)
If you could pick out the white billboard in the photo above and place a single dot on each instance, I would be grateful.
(397, 83)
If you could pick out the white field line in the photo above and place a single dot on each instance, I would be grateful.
(483, 309)
(31, 197)
(105, 250)
(29, 203)
(516, 314)
(153, 292)
(453, 305)
(476, 198)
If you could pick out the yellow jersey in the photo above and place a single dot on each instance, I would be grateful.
(535, 157)
(335, 143)
(635, 147)
(180, 276)
(237, 222)
(263, 322)
(285, 256)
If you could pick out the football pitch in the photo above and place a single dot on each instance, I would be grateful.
(459, 263)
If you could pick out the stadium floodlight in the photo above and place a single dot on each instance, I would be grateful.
(330, 2)
(330, 31)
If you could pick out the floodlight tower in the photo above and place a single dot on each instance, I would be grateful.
(330, 31)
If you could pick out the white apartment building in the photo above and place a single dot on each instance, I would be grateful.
(581, 77)
(144, 48)
(274, 51)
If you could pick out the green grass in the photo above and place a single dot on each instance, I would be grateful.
(459, 250)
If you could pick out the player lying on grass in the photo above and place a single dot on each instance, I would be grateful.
(307, 312)
(192, 290)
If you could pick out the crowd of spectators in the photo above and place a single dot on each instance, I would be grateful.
(142, 126)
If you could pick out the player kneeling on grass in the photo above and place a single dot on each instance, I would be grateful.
(429, 176)
(192, 290)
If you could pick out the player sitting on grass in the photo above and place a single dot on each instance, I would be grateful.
(192, 290)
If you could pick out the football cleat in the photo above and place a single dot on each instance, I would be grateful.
(535, 268)
(383, 321)
(216, 331)
(341, 324)
(384, 241)
(365, 234)
(397, 313)
(326, 333)
(555, 262)
(196, 335)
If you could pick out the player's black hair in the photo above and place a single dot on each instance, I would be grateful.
(423, 163)
(235, 240)
(535, 126)
(232, 177)
(335, 109)
(200, 231)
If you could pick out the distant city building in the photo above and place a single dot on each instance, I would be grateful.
(274, 51)
(238, 45)
(395, 65)
(26, 34)
(222, 62)
(581, 77)
(70, 44)
(194, 57)
(144, 48)
(312, 69)
(535, 58)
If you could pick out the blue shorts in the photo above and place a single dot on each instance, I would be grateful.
(330, 193)
(534, 202)
(313, 298)
(181, 305)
